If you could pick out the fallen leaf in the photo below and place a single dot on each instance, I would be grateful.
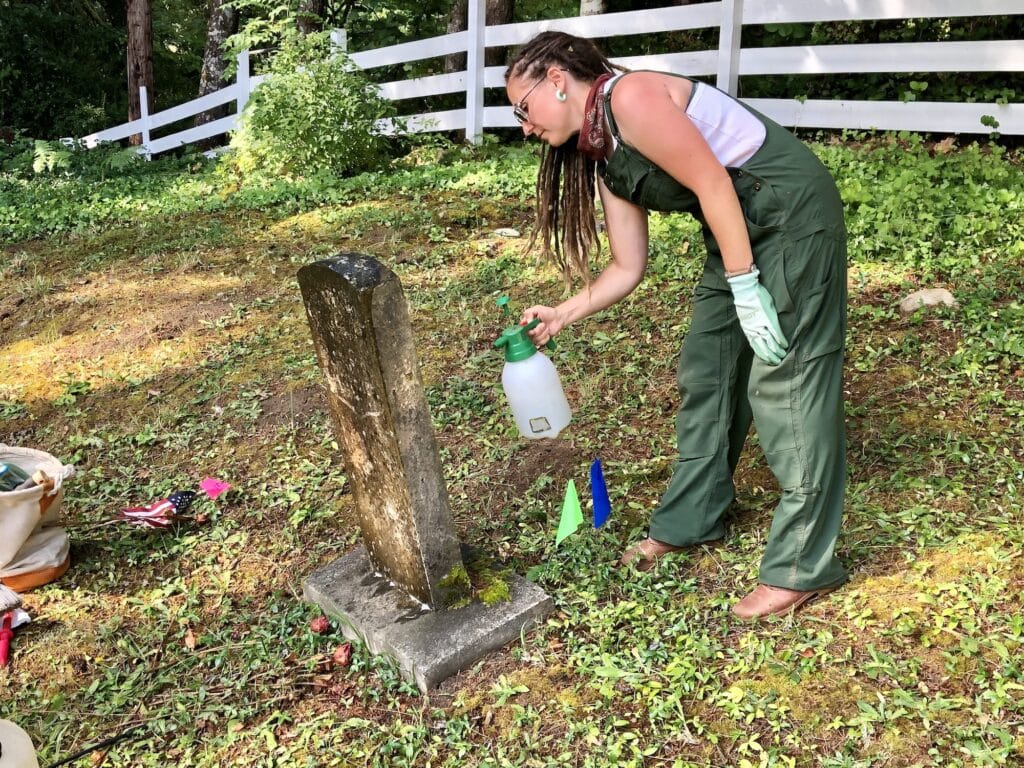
(342, 655)
(190, 639)
(319, 625)
(945, 146)
(322, 681)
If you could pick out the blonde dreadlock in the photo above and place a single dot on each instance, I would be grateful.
(565, 223)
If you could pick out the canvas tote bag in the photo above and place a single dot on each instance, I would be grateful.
(34, 550)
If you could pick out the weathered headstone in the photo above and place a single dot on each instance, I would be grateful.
(397, 592)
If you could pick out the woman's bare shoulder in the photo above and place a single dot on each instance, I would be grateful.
(637, 90)
(647, 103)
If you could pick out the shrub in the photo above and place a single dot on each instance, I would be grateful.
(315, 112)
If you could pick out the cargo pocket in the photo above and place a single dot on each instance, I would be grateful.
(817, 274)
(769, 246)
(823, 326)
(765, 219)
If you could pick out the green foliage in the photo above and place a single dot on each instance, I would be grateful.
(369, 25)
(927, 208)
(315, 113)
(24, 158)
(59, 62)
(50, 157)
(62, 66)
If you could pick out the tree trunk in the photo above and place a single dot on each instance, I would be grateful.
(498, 12)
(140, 59)
(310, 16)
(593, 7)
(222, 22)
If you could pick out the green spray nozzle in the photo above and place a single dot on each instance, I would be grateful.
(517, 343)
(503, 303)
(514, 337)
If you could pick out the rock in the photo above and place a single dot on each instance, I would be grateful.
(506, 232)
(929, 297)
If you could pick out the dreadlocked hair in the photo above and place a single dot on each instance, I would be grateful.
(565, 220)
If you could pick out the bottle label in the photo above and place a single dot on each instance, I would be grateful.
(540, 424)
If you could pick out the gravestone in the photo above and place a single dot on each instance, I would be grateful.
(404, 591)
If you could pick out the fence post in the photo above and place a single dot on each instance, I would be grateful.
(339, 40)
(242, 82)
(729, 45)
(144, 116)
(475, 70)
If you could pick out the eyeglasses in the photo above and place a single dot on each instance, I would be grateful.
(520, 108)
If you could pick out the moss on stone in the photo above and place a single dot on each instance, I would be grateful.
(457, 587)
(496, 591)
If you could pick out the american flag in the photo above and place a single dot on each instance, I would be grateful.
(159, 514)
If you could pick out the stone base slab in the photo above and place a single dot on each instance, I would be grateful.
(428, 645)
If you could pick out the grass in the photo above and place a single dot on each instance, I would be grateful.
(152, 345)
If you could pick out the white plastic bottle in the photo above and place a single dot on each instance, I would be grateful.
(532, 386)
(16, 750)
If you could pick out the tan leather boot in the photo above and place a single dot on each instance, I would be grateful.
(647, 553)
(773, 601)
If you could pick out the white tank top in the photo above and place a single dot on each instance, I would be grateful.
(732, 131)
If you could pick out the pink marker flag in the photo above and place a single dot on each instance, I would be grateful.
(213, 487)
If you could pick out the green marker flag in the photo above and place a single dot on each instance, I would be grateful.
(572, 515)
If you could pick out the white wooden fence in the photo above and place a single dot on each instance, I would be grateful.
(726, 64)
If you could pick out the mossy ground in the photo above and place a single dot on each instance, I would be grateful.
(156, 350)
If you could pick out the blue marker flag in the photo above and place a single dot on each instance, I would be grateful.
(599, 492)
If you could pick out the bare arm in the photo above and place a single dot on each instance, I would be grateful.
(652, 119)
(627, 234)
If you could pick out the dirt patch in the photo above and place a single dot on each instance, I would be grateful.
(171, 322)
(556, 458)
(8, 304)
(292, 407)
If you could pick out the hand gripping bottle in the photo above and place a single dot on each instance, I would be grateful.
(531, 384)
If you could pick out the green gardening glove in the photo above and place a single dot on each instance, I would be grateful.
(758, 318)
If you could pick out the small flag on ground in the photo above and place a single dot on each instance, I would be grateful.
(572, 515)
(213, 487)
(599, 492)
(159, 514)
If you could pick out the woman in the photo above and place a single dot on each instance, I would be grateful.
(769, 314)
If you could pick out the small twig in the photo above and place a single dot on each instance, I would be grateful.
(151, 672)
(105, 743)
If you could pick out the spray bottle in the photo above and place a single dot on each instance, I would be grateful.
(531, 383)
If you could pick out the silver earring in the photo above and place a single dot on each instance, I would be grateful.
(560, 94)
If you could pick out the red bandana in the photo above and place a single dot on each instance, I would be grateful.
(591, 139)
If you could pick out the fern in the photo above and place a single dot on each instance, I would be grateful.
(122, 159)
(50, 156)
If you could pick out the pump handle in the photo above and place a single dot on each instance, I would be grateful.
(533, 324)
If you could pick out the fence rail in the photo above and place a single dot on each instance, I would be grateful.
(726, 64)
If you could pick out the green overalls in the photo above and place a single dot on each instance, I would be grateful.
(794, 217)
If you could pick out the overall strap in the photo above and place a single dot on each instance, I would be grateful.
(608, 107)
